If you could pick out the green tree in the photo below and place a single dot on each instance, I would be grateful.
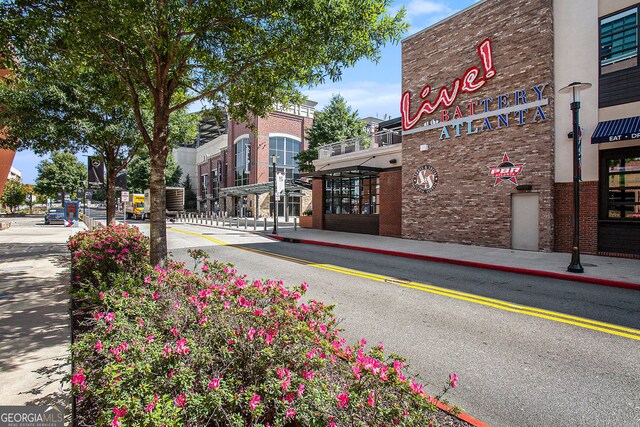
(190, 197)
(244, 55)
(335, 122)
(14, 194)
(139, 172)
(62, 173)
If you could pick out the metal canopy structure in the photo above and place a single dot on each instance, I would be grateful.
(347, 172)
(262, 188)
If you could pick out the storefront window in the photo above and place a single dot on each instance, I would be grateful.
(619, 41)
(623, 187)
(286, 150)
(351, 196)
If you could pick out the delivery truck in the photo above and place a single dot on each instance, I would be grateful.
(175, 202)
(135, 206)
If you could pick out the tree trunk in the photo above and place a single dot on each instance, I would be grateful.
(111, 193)
(157, 186)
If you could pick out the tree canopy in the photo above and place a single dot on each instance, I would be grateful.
(335, 122)
(138, 172)
(63, 172)
(244, 55)
(14, 194)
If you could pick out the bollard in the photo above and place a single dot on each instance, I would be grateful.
(295, 223)
(265, 223)
(255, 223)
(245, 222)
(217, 219)
(238, 222)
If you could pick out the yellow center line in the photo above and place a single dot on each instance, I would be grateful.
(463, 296)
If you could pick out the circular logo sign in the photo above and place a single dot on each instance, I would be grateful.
(425, 180)
(95, 163)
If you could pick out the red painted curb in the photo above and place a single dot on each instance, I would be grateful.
(460, 415)
(540, 273)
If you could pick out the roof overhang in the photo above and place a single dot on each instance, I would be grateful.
(347, 171)
(291, 186)
(617, 130)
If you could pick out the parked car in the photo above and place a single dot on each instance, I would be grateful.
(54, 216)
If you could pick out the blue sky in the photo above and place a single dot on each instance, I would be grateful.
(374, 89)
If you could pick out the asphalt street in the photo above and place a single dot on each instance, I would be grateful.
(529, 351)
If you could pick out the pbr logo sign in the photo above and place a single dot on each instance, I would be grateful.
(425, 180)
(505, 171)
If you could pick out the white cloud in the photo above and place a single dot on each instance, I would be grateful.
(369, 98)
(425, 7)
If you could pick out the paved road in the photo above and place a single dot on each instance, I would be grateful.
(518, 366)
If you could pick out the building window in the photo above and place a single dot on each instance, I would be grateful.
(352, 196)
(622, 179)
(286, 149)
(203, 186)
(619, 41)
(242, 161)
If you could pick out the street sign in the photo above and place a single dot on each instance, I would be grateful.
(124, 196)
(277, 197)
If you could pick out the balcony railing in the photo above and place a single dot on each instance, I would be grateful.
(352, 145)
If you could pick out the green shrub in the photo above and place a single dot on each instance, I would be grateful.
(215, 349)
(106, 252)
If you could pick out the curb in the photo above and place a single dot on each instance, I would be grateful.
(460, 415)
(518, 270)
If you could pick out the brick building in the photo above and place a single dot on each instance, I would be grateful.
(232, 163)
(485, 156)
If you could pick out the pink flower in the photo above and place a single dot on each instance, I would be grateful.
(98, 346)
(300, 390)
(180, 400)
(174, 331)
(214, 384)
(79, 379)
(125, 294)
(120, 412)
(290, 413)
(343, 400)
(415, 387)
(371, 400)
(101, 295)
(453, 380)
(255, 401)
(304, 286)
(150, 338)
(308, 375)
(155, 296)
(205, 268)
(147, 279)
(356, 371)
(250, 334)
(181, 346)
(151, 405)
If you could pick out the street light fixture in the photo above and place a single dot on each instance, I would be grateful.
(574, 89)
(275, 202)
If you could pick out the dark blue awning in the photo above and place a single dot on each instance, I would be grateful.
(617, 130)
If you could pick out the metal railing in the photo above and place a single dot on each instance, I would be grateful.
(352, 145)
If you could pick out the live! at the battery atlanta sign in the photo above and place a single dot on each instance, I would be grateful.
(471, 81)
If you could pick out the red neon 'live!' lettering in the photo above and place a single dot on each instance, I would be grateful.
(470, 82)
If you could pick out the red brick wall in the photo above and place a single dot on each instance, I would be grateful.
(317, 195)
(563, 210)
(390, 203)
(466, 207)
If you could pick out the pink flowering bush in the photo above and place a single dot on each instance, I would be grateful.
(106, 251)
(215, 349)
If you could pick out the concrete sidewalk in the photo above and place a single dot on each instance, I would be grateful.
(34, 313)
(608, 271)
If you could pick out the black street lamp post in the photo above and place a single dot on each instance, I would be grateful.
(574, 89)
(275, 202)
